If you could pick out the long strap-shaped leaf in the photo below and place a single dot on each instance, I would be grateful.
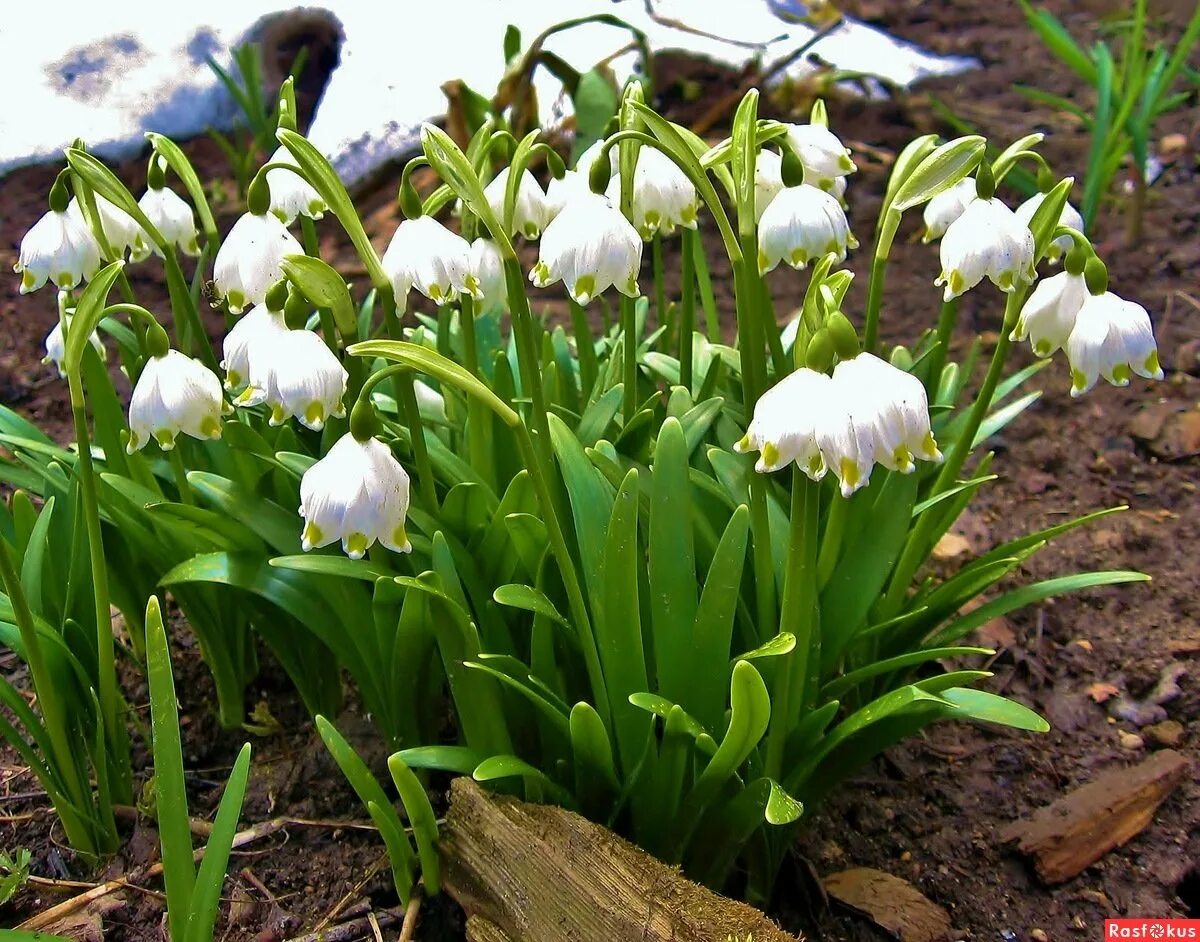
(207, 893)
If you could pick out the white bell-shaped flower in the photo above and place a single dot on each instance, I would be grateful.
(987, 240)
(768, 180)
(121, 231)
(1049, 314)
(1112, 338)
(847, 437)
(249, 260)
(531, 212)
(825, 158)
(589, 246)
(1069, 217)
(357, 493)
(172, 216)
(946, 207)
(425, 255)
(174, 394)
(663, 196)
(802, 223)
(291, 194)
(487, 265)
(788, 422)
(894, 404)
(58, 248)
(56, 348)
(296, 374)
(431, 404)
(560, 192)
(257, 329)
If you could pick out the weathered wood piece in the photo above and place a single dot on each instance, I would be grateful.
(538, 873)
(893, 904)
(480, 930)
(1076, 830)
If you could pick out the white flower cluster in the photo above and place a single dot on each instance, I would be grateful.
(868, 412)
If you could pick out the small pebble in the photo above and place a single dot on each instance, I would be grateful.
(1167, 733)
(1039, 935)
(1131, 741)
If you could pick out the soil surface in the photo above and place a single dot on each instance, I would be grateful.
(931, 810)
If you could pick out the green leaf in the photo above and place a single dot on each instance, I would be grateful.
(175, 836)
(88, 311)
(839, 685)
(596, 782)
(457, 759)
(938, 171)
(177, 161)
(424, 821)
(211, 876)
(783, 643)
(990, 708)
(529, 599)
(341, 566)
(595, 102)
(323, 287)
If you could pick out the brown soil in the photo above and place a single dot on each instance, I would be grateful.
(930, 810)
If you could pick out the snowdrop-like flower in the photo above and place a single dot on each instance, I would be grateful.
(574, 182)
(60, 248)
(249, 260)
(296, 374)
(893, 403)
(56, 347)
(121, 232)
(174, 394)
(291, 194)
(1112, 338)
(357, 493)
(430, 403)
(1050, 312)
(1069, 217)
(824, 157)
(768, 180)
(801, 224)
(589, 246)
(987, 240)
(425, 255)
(173, 217)
(259, 328)
(946, 207)
(788, 422)
(663, 196)
(487, 265)
(531, 213)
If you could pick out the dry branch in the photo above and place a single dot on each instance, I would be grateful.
(529, 873)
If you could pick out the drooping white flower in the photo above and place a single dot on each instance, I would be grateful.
(589, 246)
(1112, 338)
(946, 207)
(487, 265)
(987, 240)
(574, 182)
(258, 328)
(788, 422)
(291, 194)
(357, 493)
(768, 180)
(60, 248)
(56, 346)
(172, 217)
(296, 374)
(531, 212)
(1069, 217)
(121, 231)
(1050, 312)
(894, 404)
(425, 255)
(663, 196)
(802, 223)
(825, 158)
(431, 404)
(249, 260)
(174, 394)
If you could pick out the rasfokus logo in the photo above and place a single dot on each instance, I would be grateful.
(1152, 930)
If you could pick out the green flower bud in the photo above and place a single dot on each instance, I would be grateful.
(277, 296)
(843, 334)
(791, 168)
(258, 197)
(1095, 273)
(819, 355)
(901, 358)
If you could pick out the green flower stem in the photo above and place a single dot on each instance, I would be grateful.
(831, 541)
(708, 300)
(798, 616)
(947, 318)
(528, 359)
(916, 547)
(312, 247)
(874, 302)
(628, 309)
(106, 659)
(687, 308)
(181, 481)
(406, 402)
(65, 759)
(585, 345)
(187, 312)
(660, 290)
(478, 418)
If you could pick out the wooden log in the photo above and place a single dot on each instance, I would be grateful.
(1076, 830)
(537, 873)
(480, 930)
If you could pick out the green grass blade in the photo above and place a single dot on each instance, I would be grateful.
(211, 877)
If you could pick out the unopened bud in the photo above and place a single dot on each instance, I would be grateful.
(819, 355)
(843, 334)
